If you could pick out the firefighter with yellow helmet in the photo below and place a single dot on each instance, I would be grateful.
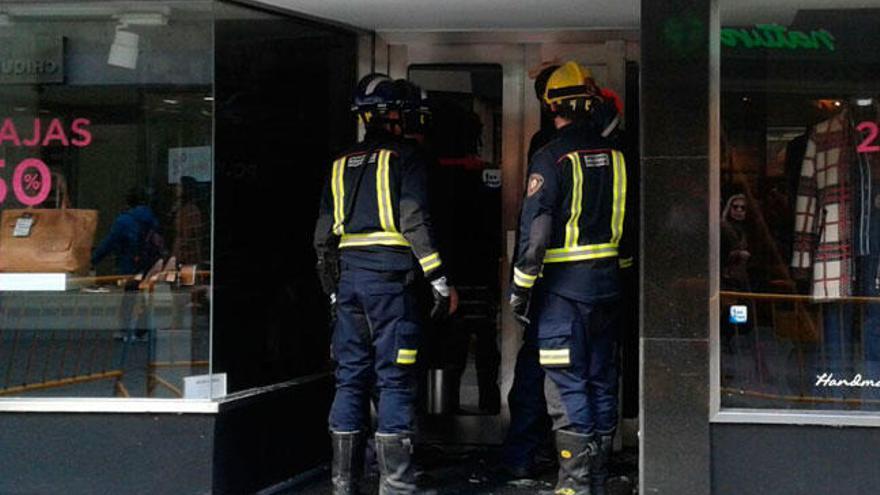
(565, 276)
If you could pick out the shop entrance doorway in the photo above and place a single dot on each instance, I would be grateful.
(464, 141)
(490, 86)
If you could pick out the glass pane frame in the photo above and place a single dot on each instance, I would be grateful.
(719, 413)
(152, 110)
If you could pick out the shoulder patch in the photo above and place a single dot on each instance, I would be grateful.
(536, 182)
(355, 161)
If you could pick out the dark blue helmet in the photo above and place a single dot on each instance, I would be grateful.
(376, 93)
(414, 108)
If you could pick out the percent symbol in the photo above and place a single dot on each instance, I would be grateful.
(24, 182)
(32, 182)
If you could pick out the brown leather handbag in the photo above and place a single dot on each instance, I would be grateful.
(47, 240)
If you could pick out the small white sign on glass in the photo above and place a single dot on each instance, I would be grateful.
(193, 161)
(204, 386)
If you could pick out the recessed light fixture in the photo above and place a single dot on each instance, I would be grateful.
(837, 103)
(209, 98)
(864, 102)
(171, 102)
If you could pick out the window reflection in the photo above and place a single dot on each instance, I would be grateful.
(105, 170)
(800, 223)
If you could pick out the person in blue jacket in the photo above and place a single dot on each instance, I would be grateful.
(126, 238)
(134, 241)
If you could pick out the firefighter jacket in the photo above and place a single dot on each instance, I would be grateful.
(572, 217)
(374, 212)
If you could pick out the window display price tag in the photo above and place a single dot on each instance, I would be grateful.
(23, 227)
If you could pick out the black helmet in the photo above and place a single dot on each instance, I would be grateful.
(375, 95)
(414, 107)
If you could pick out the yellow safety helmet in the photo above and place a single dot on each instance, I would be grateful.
(569, 81)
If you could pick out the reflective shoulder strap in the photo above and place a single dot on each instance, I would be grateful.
(337, 187)
(619, 196)
(572, 230)
(383, 192)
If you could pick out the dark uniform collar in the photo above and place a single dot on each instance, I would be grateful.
(377, 134)
(577, 128)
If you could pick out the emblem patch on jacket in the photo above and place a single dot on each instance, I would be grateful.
(536, 182)
(596, 160)
(355, 161)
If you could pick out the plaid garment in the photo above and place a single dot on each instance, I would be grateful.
(189, 235)
(824, 213)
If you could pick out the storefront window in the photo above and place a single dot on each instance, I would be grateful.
(800, 208)
(106, 172)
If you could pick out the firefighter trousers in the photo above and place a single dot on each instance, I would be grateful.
(577, 347)
(375, 344)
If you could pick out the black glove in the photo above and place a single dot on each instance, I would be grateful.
(332, 311)
(328, 274)
(440, 290)
(519, 304)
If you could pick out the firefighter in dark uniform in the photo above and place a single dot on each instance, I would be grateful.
(570, 230)
(373, 229)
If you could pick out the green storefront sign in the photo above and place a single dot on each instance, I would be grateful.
(775, 36)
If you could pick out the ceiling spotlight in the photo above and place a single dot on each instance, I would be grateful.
(864, 102)
(124, 50)
(171, 102)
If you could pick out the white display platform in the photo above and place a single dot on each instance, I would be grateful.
(13, 282)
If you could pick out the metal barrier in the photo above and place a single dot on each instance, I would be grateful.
(796, 323)
(50, 340)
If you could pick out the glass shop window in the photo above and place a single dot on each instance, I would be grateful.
(106, 146)
(800, 208)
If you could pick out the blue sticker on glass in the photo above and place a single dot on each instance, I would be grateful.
(739, 314)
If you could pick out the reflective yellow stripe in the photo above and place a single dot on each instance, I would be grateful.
(619, 199)
(383, 192)
(554, 356)
(625, 262)
(523, 279)
(337, 186)
(432, 266)
(430, 262)
(579, 253)
(380, 193)
(373, 239)
(572, 231)
(406, 356)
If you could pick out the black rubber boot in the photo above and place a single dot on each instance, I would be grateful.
(599, 464)
(575, 452)
(348, 461)
(396, 473)
(394, 453)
